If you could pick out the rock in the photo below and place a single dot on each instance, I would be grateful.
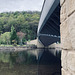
(62, 1)
(70, 5)
(71, 25)
(71, 60)
(64, 72)
(64, 59)
(65, 36)
(63, 15)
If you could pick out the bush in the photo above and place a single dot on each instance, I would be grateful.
(5, 38)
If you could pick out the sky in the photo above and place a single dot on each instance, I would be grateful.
(20, 5)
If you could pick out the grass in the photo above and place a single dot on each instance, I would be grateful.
(10, 45)
(6, 45)
(17, 45)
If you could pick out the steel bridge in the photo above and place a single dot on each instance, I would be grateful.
(49, 24)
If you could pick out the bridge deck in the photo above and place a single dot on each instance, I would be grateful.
(49, 24)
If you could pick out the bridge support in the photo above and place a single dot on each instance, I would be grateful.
(67, 28)
(39, 44)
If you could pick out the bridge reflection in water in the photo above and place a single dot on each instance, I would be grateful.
(30, 62)
(49, 64)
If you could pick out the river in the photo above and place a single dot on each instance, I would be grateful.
(29, 62)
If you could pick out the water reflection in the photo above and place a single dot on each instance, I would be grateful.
(18, 63)
(49, 64)
(29, 62)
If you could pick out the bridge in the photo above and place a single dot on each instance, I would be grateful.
(49, 24)
(49, 31)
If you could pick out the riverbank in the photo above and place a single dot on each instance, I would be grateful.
(17, 48)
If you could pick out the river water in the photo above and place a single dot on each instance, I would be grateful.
(30, 62)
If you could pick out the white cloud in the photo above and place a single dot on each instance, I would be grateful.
(20, 5)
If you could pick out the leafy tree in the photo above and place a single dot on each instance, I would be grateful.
(5, 38)
(20, 35)
(24, 21)
(13, 35)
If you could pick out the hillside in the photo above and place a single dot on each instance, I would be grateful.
(25, 21)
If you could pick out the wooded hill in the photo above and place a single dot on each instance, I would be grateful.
(26, 22)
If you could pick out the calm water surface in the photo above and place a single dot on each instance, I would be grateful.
(29, 62)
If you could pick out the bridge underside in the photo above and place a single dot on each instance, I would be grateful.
(48, 40)
(49, 29)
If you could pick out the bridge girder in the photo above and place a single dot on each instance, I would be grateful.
(49, 24)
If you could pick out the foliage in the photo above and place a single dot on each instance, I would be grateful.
(24, 21)
(14, 42)
(5, 38)
(4, 57)
(13, 35)
(21, 36)
(22, 57)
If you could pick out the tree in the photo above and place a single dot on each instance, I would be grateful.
(13, 35)
(5, 38)
(25, 21)
(20, 35)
